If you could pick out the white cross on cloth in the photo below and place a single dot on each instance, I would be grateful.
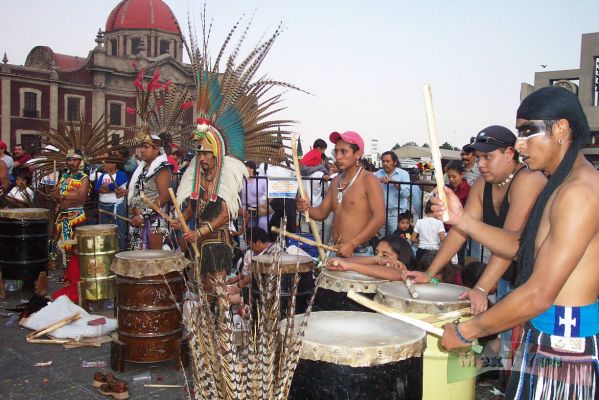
(568, 322)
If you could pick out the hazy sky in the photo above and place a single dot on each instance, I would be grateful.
(364, 61)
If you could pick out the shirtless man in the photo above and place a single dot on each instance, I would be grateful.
(557, 285)
(355, 196)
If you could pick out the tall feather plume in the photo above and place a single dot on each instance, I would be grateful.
(94, 140)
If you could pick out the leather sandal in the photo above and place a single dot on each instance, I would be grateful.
(118, 390)
(101, 379)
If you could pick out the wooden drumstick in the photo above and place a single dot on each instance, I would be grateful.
(184, 226)
(302, 192)
(54, 175)
(434, 142)
(154, 207)
(411, 289)
(129, 220)
(303, 239)
(391, 312)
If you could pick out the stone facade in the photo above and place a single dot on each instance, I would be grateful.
(51, 88)
(582, 81)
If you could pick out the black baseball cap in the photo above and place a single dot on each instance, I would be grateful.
(490, 139)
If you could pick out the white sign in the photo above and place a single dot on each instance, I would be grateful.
(282, 188)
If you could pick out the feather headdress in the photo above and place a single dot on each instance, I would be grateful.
(233, 108)
(80, 139)
(161, 108)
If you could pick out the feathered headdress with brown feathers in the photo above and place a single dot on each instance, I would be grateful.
(160, 108)
(78, 138)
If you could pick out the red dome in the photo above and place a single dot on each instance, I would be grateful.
(142, 14)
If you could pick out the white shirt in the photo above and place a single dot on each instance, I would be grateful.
(18, 194)
(314, 187)
(428, 230)
(111, 196)
(9, 163)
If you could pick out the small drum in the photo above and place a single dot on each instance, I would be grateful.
(433, 300)
(333, 288)
(97, 246)
(288, 266)
(355, 355)
(23, 242)
(150, 290)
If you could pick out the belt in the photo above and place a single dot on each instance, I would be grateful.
(567, 321)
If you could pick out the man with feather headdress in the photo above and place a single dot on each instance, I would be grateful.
(160, 107)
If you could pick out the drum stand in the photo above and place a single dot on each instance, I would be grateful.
(118, 355)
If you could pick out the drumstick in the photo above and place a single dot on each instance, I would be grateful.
(411, 289)
(129, 220)
(390, 312)
(302, 192)
(434, 142)
(54, 175)
(184, 225)
(303, 239)
(154, 207)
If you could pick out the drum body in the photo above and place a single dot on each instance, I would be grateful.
(287, 266)
(333, 288)
(98, 245)
(356, 355)
(434, 300)
(23, 242)
(150, 289)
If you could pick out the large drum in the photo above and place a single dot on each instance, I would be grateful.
(433, 300)
(333, 288)
(98, 245)
(150, 289)
(355, 355)
(23, 242)
(287, 265)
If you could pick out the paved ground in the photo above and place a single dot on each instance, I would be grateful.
(66, 379)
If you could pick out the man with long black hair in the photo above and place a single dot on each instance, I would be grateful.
(556, 283)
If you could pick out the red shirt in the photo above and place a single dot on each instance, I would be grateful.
(173, 161)
(462, 191)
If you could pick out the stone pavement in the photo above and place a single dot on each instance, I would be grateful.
(66, 379)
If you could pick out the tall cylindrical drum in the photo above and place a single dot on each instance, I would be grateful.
(150, 289)
(23, 242)
(434, 300)
(348, 355)
(97, 246)
(334, 285)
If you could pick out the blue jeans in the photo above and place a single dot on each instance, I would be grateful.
(118, 209)
(503, 289)
(391, 224)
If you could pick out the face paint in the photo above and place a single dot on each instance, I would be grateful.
(528, 131)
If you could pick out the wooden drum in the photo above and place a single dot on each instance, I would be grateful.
(333, 288)
(23, 242)
(150, 289)
(433, 300)
(97, 246)
(287, 265)
(355, 355)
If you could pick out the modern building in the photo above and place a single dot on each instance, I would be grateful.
(52, 88)
(584, 81)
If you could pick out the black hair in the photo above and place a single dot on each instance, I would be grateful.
(401, 247)
(456, 165)
(257, 234)
(252, 165)
(428, 208)
(393, 156)
(320, 143)
(549, 104)
(405, 215)
(354, 147)
(472, 273)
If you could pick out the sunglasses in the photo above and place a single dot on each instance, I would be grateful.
(488, 139)
(529, 131)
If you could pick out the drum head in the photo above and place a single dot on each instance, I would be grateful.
(25, 213)
(358, 339)
(96, 230)
(140, 263)
(343, 281)
(432, 299)
(283, 263)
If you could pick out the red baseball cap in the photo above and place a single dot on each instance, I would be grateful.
(348, 137)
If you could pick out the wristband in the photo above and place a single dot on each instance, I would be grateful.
(431, 279)
(458, 334)
(481, 289)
